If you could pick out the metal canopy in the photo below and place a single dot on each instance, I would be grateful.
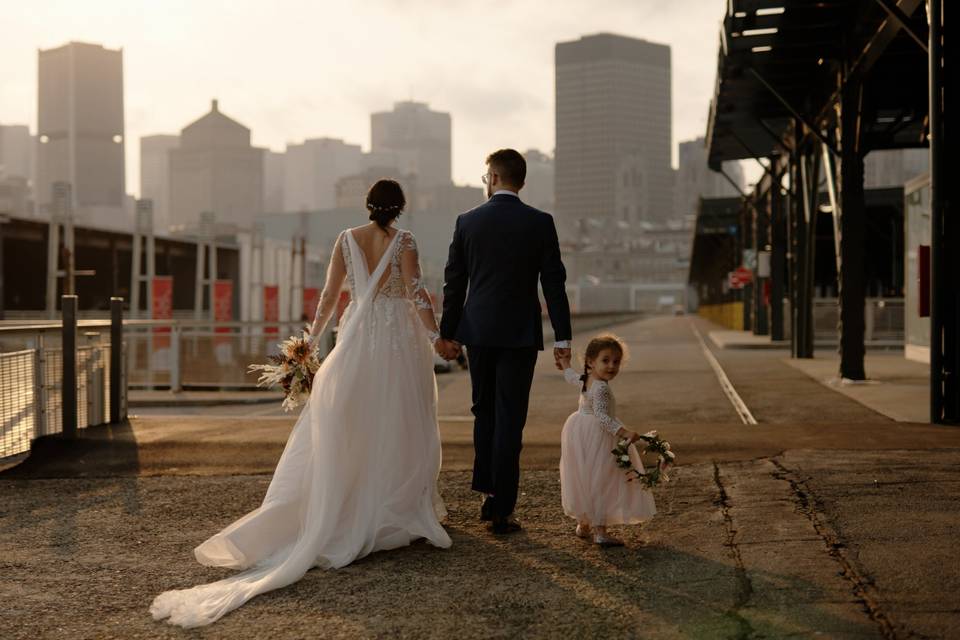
(781, 60)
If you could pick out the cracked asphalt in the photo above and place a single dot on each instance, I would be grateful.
(826, 520)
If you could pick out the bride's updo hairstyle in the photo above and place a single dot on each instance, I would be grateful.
(385, 202)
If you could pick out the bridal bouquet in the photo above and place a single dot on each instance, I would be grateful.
(292, 369)
(654, 444)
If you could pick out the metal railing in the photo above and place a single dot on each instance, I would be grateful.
(198, 354)
(883, 321)
(41, 394)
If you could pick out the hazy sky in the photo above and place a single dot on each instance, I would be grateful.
(295, 69)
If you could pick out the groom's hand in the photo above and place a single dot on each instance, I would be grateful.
(561, 356)
(447, 349)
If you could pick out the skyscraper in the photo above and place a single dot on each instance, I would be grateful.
(419, 138)
(311, 171)
(16, 151)
(155, 175)
(696, 180)
(613, 124)
(215, 169)
(274, 168)
(80, 128)
(538, 190)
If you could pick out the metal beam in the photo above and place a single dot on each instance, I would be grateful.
(944, 232)
(753, 154)
(851, 278)
(904, 21)
(796, 114)
(777, 263)
(778, 140)
(733, 183)
(871, 52)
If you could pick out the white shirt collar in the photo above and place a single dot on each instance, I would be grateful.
(506, 192)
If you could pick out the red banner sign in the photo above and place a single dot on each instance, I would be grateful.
(162, 304)
(311, 298)
(271, 306)
(223, 303)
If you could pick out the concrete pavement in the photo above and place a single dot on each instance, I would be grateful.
(826, 519)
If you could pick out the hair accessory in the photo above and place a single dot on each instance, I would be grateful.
(386, 208)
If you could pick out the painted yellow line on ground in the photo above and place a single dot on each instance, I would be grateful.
(738, 404)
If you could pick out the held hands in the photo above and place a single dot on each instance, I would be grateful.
(447, 349)
(626, 434)
(561, 358)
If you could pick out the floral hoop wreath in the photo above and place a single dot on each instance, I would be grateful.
(654, 444)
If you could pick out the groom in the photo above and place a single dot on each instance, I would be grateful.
(499, 251)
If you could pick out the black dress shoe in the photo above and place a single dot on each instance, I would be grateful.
(500, 526)
(486, 510)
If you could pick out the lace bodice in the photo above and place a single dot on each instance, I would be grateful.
(393, 286)
(597, 401)
(403, 281)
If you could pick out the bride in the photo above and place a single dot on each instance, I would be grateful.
(359, 471)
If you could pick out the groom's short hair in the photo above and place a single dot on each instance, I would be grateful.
(509, 165)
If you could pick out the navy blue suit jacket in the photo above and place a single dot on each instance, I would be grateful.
(490, 299)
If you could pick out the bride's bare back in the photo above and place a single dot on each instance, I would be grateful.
(374, 242)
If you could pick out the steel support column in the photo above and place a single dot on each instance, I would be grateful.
(793, 246)
(778, 242)
(760, 229)
(945, 230)
(807, 231)
(851, 278)
(746, 238)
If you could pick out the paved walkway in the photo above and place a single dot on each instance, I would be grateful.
(896, 387)
(826, 519)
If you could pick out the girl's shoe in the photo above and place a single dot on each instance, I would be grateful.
(604, 540)
(583, 531)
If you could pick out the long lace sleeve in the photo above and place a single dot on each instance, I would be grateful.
(602, 401)
(336, 272)
(572, 377)
(413, 282)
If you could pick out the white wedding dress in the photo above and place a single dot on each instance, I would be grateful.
(359, 471)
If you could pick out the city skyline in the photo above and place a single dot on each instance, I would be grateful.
(174, 66)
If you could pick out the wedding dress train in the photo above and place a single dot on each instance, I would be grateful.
(359, 470)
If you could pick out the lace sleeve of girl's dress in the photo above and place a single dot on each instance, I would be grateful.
(413, 283)
(572, 377)
(602, 400)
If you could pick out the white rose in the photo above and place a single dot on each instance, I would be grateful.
(625, 458)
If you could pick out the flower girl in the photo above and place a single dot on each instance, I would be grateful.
(594, 489)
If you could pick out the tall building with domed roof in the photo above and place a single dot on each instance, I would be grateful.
(215, 169)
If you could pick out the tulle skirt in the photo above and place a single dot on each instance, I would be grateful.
(593, 488)
(358, 474)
